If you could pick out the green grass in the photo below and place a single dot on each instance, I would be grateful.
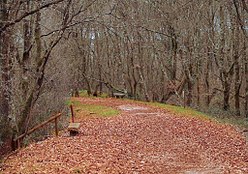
(189, 112)
(68, 102)
(102, 111)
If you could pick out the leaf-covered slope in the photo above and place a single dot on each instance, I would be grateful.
(141, 139)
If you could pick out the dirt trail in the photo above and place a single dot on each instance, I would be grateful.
(141, 140)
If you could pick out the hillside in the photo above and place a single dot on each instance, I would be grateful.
(138, 138)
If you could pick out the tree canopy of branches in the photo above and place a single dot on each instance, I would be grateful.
(167, 50)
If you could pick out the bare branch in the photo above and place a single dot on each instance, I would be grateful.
(11, 23)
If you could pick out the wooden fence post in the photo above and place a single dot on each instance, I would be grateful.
(18, 140)
(72, 114)
(18, 144)
(184, 102)
(56, 127)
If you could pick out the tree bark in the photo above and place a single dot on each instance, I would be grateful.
(237, 84)
(224, 72)
(27, 36)
(226, 91)
(246, 79)
(189, 93)
(4, 67)
(206, 82)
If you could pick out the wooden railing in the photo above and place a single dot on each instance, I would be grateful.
(72, 114)
(17, 141)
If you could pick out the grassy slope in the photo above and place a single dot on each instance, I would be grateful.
(188, 112)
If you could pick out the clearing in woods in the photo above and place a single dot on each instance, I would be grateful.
(141, 139)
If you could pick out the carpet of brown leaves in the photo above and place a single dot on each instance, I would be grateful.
(141, 140)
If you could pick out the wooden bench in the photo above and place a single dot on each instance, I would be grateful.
(119, 95)
(73, 128)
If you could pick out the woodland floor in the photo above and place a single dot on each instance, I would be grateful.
(141, 140)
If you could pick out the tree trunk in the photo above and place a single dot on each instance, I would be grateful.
(189, 93)
(237, 84)
(226, 93)
(4, 68)
(189, 81)
(206, 84)
(26, 57)
(246, 84)
(198, 92)
(224, 72)
(173, 59)
(25, 81)
(38, 36)
(89, 90)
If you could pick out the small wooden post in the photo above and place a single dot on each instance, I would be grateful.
(72, 114)
(184, 102)
(18, 144)
(56, 127)
(19, 141)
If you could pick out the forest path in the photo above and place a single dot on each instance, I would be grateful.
(141, 140)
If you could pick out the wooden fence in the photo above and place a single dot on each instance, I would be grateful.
(17, 141)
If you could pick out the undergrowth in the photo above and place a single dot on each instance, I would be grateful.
(83, 93)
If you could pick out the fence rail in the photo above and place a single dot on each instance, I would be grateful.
(20, 137)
